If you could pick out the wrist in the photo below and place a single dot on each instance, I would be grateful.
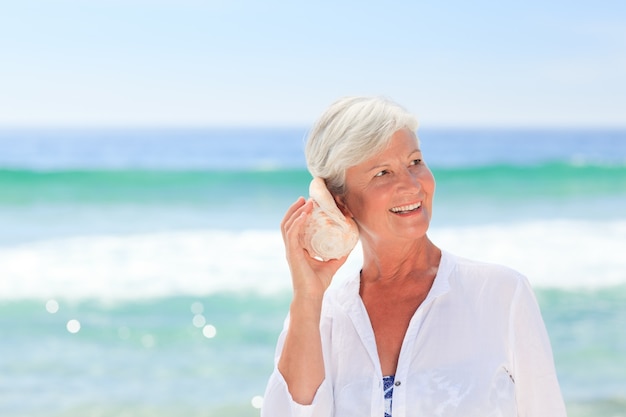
(306, 306)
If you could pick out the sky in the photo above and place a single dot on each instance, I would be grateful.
(455, 63)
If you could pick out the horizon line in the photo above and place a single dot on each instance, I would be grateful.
(294, 126)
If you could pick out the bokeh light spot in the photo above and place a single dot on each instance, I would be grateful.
(73, 326)
(209, 331)
(257, 401)
(199, 320)
(197, 308)
(148, 341)
(52, 306)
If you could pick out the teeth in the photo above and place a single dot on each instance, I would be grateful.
(402, 209)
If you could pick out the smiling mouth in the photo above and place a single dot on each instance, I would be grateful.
(406, 209)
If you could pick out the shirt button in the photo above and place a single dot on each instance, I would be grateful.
(397, 383)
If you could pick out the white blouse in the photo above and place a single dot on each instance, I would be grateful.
(477, 346)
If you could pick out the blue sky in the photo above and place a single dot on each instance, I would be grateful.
(277, 63)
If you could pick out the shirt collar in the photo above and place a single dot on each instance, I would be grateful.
(348, 292)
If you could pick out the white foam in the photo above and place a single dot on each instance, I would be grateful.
(551, 253)
(559, 253)
(142, 266)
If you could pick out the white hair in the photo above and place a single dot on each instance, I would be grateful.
(350, 131)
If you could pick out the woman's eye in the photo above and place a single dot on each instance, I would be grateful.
(416, 162)
(381, 173)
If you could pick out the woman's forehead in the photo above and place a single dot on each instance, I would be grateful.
(403, 143)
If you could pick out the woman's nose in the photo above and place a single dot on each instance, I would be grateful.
(410, 180)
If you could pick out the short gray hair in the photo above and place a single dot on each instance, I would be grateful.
(350, 131)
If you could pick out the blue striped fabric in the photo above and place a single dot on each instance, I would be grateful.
(388, 387)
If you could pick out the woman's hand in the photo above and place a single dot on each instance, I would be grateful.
(302, 362)
(311, 277)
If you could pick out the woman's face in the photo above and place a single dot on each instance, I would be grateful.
(390, 195)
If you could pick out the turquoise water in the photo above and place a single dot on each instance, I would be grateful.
(139, 357)
(163, 246)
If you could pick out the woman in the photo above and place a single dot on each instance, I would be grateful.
(419, 331)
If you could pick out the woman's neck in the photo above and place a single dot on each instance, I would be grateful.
(389, 262)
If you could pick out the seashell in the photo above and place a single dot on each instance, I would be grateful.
(328, 234)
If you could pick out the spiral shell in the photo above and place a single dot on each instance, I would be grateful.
(328, 234)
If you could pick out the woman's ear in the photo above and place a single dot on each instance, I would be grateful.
(340, 201)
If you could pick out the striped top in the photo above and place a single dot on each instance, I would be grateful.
(388, 388)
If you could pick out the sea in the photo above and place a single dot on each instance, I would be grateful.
(142, 272)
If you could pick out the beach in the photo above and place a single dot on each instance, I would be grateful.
(142, 271)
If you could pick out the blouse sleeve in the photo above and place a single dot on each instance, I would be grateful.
(278, 402)
(537, 388)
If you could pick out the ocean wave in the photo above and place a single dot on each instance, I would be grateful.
(561, 254)
(171, 186)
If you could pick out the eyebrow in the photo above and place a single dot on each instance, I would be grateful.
(377, 166)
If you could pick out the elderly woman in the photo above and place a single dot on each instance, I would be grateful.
(419, 331)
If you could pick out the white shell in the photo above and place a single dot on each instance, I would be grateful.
(328, 233)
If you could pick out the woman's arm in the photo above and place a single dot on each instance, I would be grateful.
(537, 386)
(301, 361)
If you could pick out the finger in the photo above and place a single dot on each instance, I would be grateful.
(290, 212)
(293, 230)
(332, 264)
(305, 208)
